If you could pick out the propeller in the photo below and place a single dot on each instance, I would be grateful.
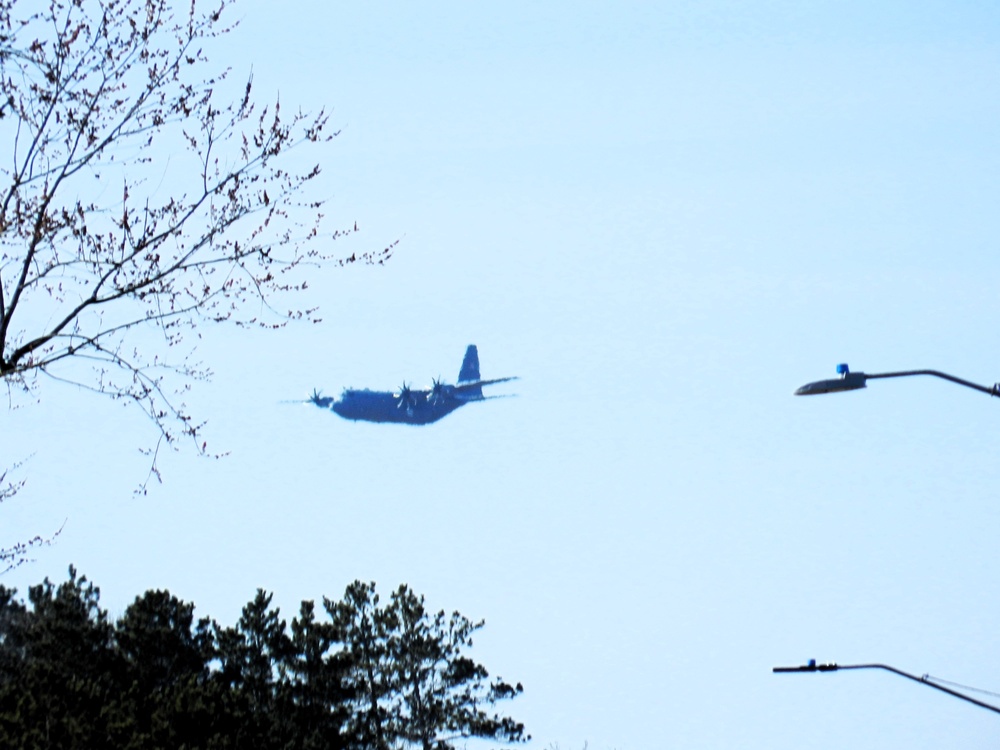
(438, 392)
(319, 399)
(406, 399)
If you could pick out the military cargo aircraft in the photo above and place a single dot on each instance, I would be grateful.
(409, 405)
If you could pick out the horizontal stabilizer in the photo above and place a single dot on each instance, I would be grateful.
(480, 383)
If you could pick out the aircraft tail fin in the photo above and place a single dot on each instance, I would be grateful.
(470, 369)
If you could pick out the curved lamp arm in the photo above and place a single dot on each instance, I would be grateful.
(850, 381)
(812, 666)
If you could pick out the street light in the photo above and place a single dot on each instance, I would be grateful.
(812, 666)
(851, 381)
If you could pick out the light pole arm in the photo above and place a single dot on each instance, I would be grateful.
(852, 381)
(812, 666)
(994, 391)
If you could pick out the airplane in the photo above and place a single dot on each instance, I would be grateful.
(409, 405)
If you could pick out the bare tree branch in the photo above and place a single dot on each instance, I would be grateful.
(99, 93)
(19, 554)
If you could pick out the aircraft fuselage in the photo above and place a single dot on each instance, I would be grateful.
(385, 406)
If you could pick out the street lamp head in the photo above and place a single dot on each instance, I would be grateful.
(848, 381)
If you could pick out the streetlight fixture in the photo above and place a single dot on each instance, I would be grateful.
(812, 666)
(851, 381)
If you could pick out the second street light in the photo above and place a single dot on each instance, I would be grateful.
(852, 381)
(927, 680)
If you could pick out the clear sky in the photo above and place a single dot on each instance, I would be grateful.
(664, 217)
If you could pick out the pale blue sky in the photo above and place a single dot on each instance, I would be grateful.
(664, 217)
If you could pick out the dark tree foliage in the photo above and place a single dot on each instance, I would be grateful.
(314, 684)
(410, 678)
(167, 697)
(57, 667)
(365, 677)
(251, 656)
(440, 690)
(364, 629)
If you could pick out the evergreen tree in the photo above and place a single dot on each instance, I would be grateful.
(167, 696)
(412, 682)
(364, 631)
(314, 689)
(441, 691)
(59, 669)
(249, 656)
(368, 677)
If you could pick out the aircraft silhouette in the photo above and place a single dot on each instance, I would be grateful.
(412, 406)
